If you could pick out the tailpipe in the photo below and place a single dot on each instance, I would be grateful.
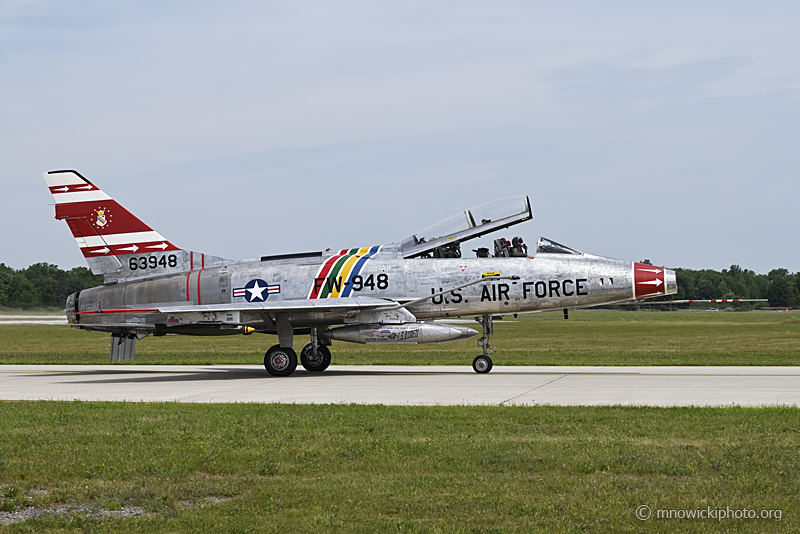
(408, 333)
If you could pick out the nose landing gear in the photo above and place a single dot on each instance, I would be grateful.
(483, 363)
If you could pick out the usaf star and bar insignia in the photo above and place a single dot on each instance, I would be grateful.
(256, 290)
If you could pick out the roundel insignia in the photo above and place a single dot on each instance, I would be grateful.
(256, 290)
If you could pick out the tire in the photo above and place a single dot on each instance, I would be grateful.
(280, 361)
(318, 364)
(482, 364)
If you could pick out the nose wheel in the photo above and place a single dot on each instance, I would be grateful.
(482, 364)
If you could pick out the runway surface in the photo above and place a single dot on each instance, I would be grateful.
(408, 385)
(33, 319)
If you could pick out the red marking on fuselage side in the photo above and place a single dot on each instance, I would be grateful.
(198, 285)
(124, 310)
(648, 280)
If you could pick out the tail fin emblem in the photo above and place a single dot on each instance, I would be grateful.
(103, 217)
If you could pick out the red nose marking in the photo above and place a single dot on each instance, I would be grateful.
(648, 280)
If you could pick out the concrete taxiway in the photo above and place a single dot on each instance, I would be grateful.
(408, 385)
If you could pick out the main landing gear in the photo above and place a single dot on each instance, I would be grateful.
(483, 363)
(280, 361)
(315, 361)
(315, 357)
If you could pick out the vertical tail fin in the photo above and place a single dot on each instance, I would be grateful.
(115, 242)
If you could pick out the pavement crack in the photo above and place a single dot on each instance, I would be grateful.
(532, 389)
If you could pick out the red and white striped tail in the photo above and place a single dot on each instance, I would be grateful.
(114, 242)
(99, 224)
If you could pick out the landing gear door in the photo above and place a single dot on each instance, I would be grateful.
(472, 223)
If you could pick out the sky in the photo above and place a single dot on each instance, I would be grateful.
(666, 131)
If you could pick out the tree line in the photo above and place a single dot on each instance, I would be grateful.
(43, 285)
(781, 287)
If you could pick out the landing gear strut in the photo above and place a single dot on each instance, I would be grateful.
(315, 357)
(483, 363)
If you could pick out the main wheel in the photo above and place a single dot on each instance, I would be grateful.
(280, 361)
(482, 364)
(318, 363)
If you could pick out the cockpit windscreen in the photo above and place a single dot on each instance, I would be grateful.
(548, 246)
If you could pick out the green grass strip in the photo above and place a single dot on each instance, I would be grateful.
(298, 468)
(587, 338)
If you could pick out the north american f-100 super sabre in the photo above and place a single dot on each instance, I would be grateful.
(382, 294)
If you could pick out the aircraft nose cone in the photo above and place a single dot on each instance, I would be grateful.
(652, 281)
(670, 281)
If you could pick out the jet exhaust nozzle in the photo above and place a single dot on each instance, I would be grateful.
(408, 333)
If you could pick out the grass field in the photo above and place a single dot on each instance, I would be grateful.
(588, 338)
(293, 468)
(332, 468)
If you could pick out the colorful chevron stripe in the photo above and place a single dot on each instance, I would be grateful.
(335, 277)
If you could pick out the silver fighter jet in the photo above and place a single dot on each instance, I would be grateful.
(382, 294)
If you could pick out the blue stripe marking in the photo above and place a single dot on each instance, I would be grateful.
(357, 270)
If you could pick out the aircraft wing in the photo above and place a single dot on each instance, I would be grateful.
(342, 303)
(350, 309)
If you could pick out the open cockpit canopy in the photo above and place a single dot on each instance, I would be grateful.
(471, 224)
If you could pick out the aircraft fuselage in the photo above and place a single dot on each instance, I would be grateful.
(546, 282)
(380, 294)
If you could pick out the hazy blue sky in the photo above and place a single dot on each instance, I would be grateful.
(666, 131)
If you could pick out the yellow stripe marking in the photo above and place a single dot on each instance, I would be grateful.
(344, 272)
